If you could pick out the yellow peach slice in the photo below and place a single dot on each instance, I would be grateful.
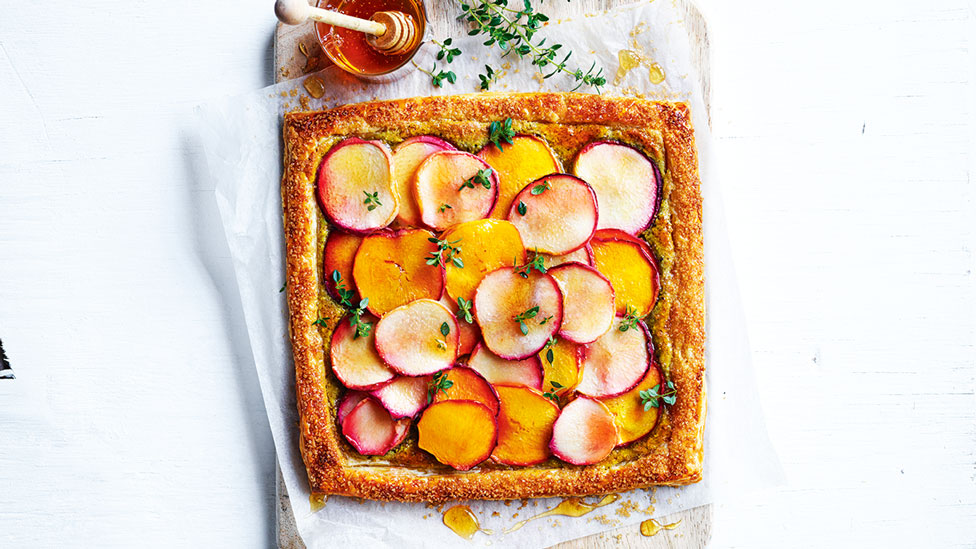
(467, 384)
(628, 411)
(564, 368)
(459, 433)
(631, 270)
(486, 244)
(390, 269)
(340, 252)
(525, 421)
(528, 158)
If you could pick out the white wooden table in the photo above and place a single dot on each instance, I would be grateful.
(845, 133)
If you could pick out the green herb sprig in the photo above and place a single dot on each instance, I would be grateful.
(355, 311)
(551, 393)
(521, 208)
(464, 310)
(446, 252)
(537, 262)
(651, 398)
(499, 132)
(550, 357)
(525, 315)
(540, 188)
(322, 322)
(345, 294)
(372, 201)
(630, 320)
(438, 383)
(480, 178)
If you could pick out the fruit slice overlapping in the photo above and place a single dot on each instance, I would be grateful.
(407, 157)
(369, 428)
(526, 159)
(486, 245)
(418, 338)
(404, 396)
(588, 302)
(626, 182)
(517, 313)
(459, 433)
(629, 415)
(629, 265)
(555, 214)
(467, 384)
(498, 371)
(447, 194)
(580, 255)
(340, 252)
(391, 269)
(525, 422)
(584, 433)
(616, 361)
(355, 185)
(562, 373)
(354, 358)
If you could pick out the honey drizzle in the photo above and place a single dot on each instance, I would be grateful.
(651, 527)
(570, 507)
(314, 86)
(317, 501)
(462, 522)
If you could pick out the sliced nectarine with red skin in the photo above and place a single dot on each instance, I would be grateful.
(402, 429)
(486, 245)
(340, 252)
(354, 358)
(631, 269)
(407, 157)
(355, 185)
(632, 420)
(525, 421)
(627, 184)
(588, 302)
(453, 187)
(526, 159)
(469, 334)
(404, 396)
(561, 374)
(419, 338)
(459, 433)
(498, 371)
(467, 384)
(348, 402)
(369, 428)
(617, 361)
(555, 214)
(584, 432)
(390, 269)
(518, 311)
(580, 255)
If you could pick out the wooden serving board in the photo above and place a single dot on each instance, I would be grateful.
(694, 530)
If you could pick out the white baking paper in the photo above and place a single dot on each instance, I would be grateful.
(241, 137)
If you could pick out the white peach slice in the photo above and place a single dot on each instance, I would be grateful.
(588, 305)
(369, 428)
(402, 428)
(404, 396)
(452, 187)
(355, 360)
(627, 184)
(555, 214)
(616, 361)
(498, 371)
(407, 157)
(580, 255)
(517, 313)
(348, 402)
(418, 338)
(355, 185)
(584, 432)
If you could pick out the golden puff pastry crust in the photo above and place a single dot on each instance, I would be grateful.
(670, 455)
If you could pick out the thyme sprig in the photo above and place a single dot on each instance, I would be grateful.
(537, 262)
(501, 131)
(446, 252)
(630, 319)
(372, 201)
(438, 383)
(550, 357)
(525, 315)
(480, 178)
(551, 393)
(355, 311)
(651, 398)
(437, 77)
(464, 310)
(513, 30)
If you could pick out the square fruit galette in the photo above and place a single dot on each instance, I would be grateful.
(496, 296)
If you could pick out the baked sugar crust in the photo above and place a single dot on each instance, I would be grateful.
(670, 455)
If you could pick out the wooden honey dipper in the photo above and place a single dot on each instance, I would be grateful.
(390, 32)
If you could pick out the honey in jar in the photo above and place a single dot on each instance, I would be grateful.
(349, 49)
